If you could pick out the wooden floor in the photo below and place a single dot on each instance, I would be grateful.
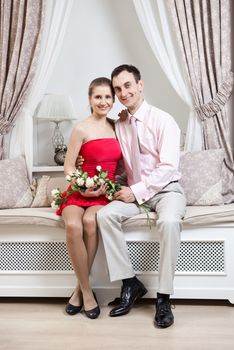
(41, 324)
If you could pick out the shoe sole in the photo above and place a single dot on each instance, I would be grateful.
(158, 325)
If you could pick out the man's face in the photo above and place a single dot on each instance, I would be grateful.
(128, 91)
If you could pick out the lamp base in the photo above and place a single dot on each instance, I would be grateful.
(57, 138)
(60, 153)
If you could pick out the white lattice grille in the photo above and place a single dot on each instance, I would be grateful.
(195, 256)
(144, 255)
(34, 256)
(201, 256)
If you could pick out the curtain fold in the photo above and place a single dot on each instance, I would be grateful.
(158, 33)
(56, 19)
(203, 32)
(216, 104)
(21, 25)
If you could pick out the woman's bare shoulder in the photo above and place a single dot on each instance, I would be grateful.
(80, 127)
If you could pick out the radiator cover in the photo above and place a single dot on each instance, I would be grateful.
(195, 256)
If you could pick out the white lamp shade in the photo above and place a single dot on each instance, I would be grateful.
(55, 107)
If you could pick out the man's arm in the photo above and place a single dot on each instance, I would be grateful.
(121, 176)
(166, 170)
(79, 161)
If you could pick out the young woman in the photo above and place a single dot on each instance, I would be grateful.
(95, 140)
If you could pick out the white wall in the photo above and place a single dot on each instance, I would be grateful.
(102, 34)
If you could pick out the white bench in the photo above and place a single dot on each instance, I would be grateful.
(34, 260)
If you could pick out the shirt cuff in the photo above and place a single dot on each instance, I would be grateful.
(141, 193)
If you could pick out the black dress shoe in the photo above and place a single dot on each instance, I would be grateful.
(95, 312)
(164, 316)
(129, 294)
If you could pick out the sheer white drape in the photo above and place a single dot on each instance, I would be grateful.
(56, 18)
(164, 51)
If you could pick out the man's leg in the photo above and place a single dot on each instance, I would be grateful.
(170, 210)
(110, 220)
(170, 207)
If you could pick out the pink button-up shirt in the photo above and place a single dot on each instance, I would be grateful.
(159, 141)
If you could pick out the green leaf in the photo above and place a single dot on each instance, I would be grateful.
(85, 175)
(103, 174)
(146, 210)
(112, 185)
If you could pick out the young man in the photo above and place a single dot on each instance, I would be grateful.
(151, 164)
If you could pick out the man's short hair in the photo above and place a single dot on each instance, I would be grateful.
(129, 68)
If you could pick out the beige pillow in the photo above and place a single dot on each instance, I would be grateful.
(33, 187)
(45, 185)
(202, 176)
(56, 182)
(40, 199)
(15, 189)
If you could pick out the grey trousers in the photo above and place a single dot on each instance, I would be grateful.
(170, 207)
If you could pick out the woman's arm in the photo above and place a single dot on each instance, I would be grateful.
(74, 145)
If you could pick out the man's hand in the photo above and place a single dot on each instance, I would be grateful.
(125, 194)
(79, 161)
(123, 114)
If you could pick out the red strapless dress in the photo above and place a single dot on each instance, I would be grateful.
(105, 152)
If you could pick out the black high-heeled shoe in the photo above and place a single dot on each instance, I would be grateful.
(95, 312)
(72, 309)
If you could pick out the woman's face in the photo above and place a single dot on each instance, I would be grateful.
(101, 100)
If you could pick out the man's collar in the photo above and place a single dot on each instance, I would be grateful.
(139, 114)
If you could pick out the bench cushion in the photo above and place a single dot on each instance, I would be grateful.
(31, 216)
(195, 216)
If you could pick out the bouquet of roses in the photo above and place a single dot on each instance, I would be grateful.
(80, 181)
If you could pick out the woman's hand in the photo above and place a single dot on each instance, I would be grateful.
(91, 192)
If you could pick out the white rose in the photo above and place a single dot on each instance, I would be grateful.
(99, 168)
(89, 182)
(68, 178)
(101, 181)
(109, 196)
(95, 177)
(77, 173)
(55, 192)
(80, 182)
(53, 205)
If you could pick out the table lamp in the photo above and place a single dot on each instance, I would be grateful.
(56, 108)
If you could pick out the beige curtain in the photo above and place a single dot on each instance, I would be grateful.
(21, 26)
(203, 31)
